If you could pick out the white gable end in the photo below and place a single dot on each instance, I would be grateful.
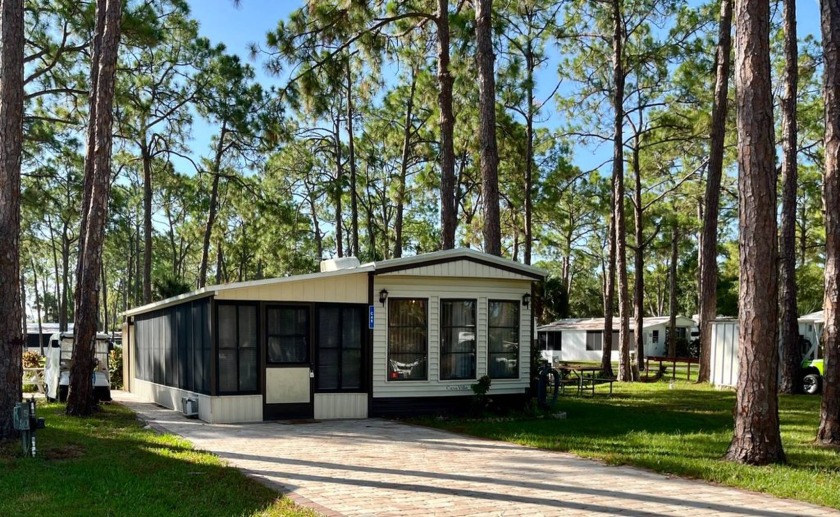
(460, 269)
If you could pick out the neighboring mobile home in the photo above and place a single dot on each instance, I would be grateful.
(582, 339)
(395, 337)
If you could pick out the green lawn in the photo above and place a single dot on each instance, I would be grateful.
(683, 431)
(109, 465)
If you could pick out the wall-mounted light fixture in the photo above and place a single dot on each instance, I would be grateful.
(383, 295)
(526, 299)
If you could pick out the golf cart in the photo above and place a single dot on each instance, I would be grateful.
(57, 370)
(813, 367)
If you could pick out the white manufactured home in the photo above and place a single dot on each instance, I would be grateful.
(582, 339)
(396, 337)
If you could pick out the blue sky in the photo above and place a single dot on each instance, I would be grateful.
(238, 27)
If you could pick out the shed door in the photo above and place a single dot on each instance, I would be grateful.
(288, 372)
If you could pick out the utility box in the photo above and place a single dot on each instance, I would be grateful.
(21, 417)
(190, 406)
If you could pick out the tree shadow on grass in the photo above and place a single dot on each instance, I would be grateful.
(108, 464)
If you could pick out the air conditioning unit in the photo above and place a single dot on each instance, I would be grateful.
(190, 407)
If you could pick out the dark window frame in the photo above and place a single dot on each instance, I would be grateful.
(441, 328)
(218, 348)
(364, 331)
(309, 334)
(601, 341)
(389, 326)
(518, 327)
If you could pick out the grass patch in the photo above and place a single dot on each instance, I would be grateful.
(683, 431)
(109, 465)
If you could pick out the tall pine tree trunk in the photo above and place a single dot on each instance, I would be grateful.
(147, 222)
(638, 257)
(829, 430)
(756, 440)
(789, 329)
(351, 158)
(406, 152)
(11, 142)
(624, 373)
(448, 207)
(80, 399)
(529, 152)
(709, 238)
(672, 292)
(492, 231)
(609, 298)
(337, 188)
(214, 201)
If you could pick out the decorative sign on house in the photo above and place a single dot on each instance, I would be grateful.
(394, 337)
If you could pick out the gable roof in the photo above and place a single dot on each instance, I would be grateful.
(380, 267)
(598, 323)
(446, 256)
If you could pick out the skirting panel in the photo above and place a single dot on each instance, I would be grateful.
(341, 405)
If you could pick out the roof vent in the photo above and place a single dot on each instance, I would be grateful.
(339, 263)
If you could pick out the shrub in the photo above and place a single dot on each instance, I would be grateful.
(115, 368)
(480, 400)
(33, 360)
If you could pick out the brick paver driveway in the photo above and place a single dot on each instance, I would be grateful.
(379, 467)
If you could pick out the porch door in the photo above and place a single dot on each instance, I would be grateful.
(288, 372)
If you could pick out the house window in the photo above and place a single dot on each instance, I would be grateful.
(340, 348)
(503, 339)
(287, 334)
(457, 342)
(408, 342)
(654, 336)
(553, 340)
(238, 359)
(594, 340)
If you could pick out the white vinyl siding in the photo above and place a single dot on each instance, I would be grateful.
(348, 288)
(460, 269)
(435, 290)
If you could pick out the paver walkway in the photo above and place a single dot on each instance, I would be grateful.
(380, 467)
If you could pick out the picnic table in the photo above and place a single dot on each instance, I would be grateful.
(673, 360)
(34, 376)
(586, 377)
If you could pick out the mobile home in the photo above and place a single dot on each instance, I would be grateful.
(582, 339)
(393, 337)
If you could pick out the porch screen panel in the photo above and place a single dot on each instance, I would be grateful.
(247, 348)
(227, 348)
(503, 339)
(340, 348)
(457, 347)
(408, 332)
(173, 346)
(351, 348)
(287, 332)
